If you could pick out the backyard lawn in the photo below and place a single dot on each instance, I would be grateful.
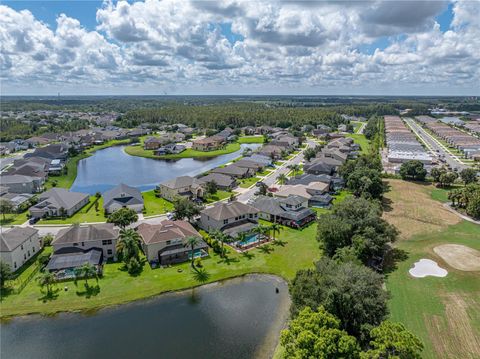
(293, 251)
(155, 205)
(138, 150)
(248, 182)
(251, 139)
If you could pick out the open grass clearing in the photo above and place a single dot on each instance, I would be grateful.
(13, 218)
(443, 312)
(410, 207)
(251, 139)
(360, 139)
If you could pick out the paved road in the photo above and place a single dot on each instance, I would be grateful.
(436, 147)
(271, 179)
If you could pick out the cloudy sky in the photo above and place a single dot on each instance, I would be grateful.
(240, 47)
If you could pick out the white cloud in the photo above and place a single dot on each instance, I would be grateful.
(283, 44)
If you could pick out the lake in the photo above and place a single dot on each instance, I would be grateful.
(108, 167)
(239, 318)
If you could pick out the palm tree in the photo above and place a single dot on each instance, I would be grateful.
(241, 237)
(192, 242)
(282, 178)
(222, 238)
(275, 228)
(128, 244)
(295, 168)
(46, 279)
(87, 270)
(261, 229)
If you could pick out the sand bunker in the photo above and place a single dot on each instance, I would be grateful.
(459, 257)
(426, 267)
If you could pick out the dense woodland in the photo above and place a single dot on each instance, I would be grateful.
(214, 112)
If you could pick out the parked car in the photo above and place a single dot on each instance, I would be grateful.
(33, 220)
(169, 216)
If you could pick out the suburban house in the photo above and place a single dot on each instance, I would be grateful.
(309, 192)
(335, 153)
(18, 245)
(52, 152)
(318, 167)
(165, 243)
(291, 211)
(231, 218)
(22, 184)
(252, 165)
(208, 143)
(184, 186)
(77, 241)
(58, 202)
(223, 182)
(122, 196)
(264, 160)
(16, 200)
(234, 171)
(152, 143)
(171, 148)
(274, 152)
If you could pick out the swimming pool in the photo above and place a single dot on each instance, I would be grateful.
(250, 239)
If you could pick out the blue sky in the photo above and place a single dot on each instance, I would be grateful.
(175, 46)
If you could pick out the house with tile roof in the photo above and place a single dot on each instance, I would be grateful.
(183, 186)
(231, 218)
(166, 243)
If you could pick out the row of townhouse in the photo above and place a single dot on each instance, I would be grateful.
(402, 144)
(461, 140)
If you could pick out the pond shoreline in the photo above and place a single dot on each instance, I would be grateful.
(267, 343)
(95, 309)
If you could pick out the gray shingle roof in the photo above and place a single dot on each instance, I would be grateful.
(178, 182)
(124, 194)
(220, 179)
(223, 211)
(12, 238)
(60, 197)
(93, 232)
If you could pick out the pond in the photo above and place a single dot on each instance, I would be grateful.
(108, 167)
(238, 318)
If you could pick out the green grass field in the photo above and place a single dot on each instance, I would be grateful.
(13, 218)
(362, 141)
(443, 312)
(248, 182)
(155, 205)
(219, 196)
(188, 153)
(251, 139)
(294, 250)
